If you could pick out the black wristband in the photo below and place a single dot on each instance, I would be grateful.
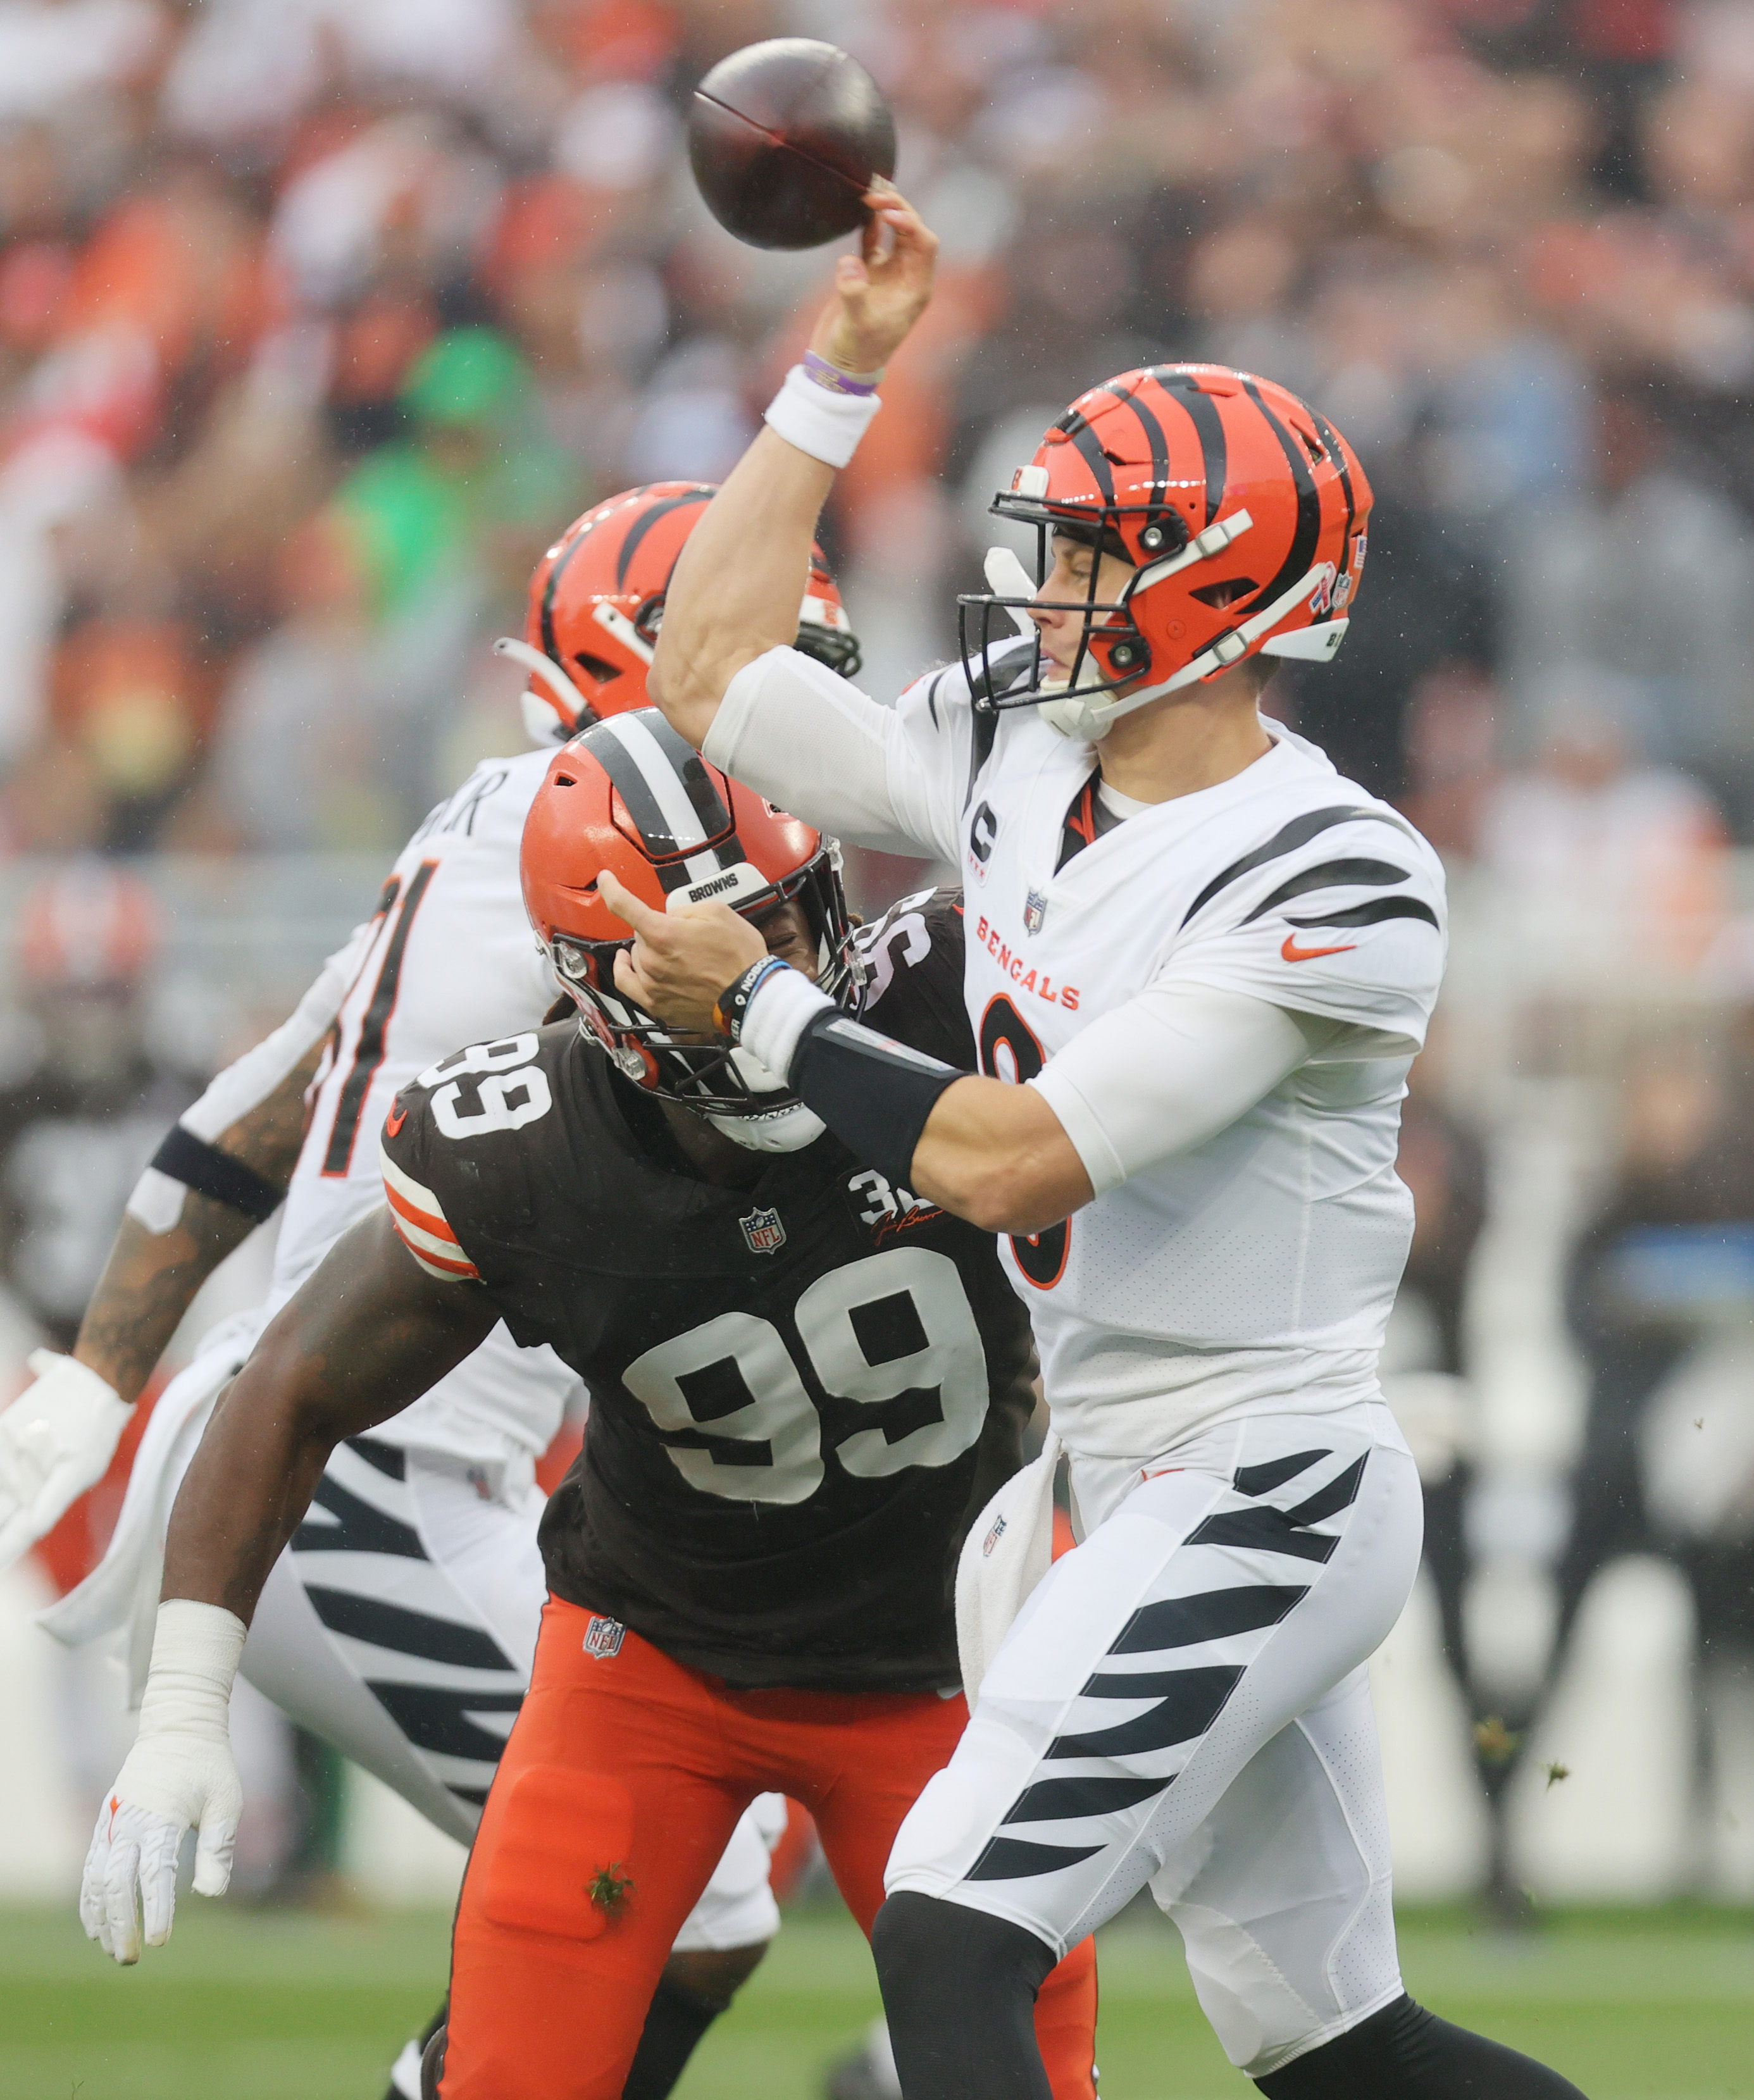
(211, 1172)
(733, 1002)
(873, 1093)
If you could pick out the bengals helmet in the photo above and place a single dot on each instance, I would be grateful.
(597, 602)
(628, 794)
(1242, 512)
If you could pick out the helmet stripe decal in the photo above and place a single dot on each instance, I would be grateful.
(629, 784)
(1330, 437)
(643, 524)
(1208, 427)
(550, 646)
(1307, 536)
(1086, 440)
(1146, 419)
(648, 778)
(690, 769)
(1154, 434)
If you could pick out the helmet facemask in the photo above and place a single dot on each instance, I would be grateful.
(1003, 657)
(726, 1085)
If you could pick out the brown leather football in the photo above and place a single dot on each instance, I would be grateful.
(785, 137)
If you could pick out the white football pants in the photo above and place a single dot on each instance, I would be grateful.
(1183, 1700)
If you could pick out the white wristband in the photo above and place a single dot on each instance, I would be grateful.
(196, 1650)
(826, 426)
(776, 1016)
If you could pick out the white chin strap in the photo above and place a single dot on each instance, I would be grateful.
(787, 1129)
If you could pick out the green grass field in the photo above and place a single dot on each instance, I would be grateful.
(248, 2006)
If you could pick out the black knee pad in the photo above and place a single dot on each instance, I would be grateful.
(1404, 2053)
(960, 1989)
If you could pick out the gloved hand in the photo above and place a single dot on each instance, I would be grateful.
(57, 1440)
(179, 1776)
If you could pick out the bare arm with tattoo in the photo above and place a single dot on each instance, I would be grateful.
(363, 1337)
(151, 1278)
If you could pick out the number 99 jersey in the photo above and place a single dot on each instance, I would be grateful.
(802, 1390)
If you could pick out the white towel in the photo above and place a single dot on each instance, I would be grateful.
(1005, 1554)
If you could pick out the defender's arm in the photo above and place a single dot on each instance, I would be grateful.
(369, 1333)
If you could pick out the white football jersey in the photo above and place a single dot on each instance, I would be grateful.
(1253, 1272)
(448, 958)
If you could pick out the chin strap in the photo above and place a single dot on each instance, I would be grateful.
(788, 1129)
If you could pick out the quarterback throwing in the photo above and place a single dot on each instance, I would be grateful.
(1209, 961)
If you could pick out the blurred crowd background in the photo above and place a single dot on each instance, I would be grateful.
(318, 319)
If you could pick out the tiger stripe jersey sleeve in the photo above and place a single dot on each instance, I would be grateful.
(421, 1225)
(1339, 913)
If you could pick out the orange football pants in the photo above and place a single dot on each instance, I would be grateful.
(619, 1788)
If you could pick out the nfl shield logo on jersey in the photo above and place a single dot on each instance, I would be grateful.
(763, 1231)
(1034, 911)
(604, 1638)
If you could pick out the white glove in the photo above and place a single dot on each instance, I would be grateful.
(179, 1776)
(57, 1440)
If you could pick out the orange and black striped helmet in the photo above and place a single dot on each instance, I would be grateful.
(1242, 512)
(597, 599)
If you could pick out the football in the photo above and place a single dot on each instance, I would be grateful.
(785, 137)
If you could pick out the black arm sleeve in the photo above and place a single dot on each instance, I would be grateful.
(209, 1171)
(873, 1093)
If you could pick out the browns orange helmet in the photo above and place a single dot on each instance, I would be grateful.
(597, 601)
(1242, 512)
(629, 794)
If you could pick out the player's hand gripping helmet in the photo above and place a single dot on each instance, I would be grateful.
(629, 794)
(597, 601)
(1242, 510)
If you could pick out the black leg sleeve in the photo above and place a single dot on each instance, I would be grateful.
(959, 1991)
(675, 2022)
(1404, 2053)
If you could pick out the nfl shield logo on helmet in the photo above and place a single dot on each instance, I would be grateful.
(763, 1231)
(1034, 911)
(604, 1638)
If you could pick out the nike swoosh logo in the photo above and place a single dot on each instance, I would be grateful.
(398, 1115)
(1294, 954)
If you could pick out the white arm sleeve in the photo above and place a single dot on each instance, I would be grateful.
(157, 1201)
(890, 777)
(1167, 1070)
